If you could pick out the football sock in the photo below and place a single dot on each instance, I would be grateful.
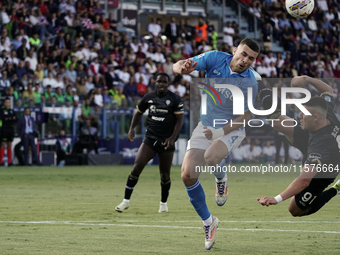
(130, 184)
(2, 153)
(165, 190)
(208, 221)
(321, 200)
(197, 199)
(219, 174)
(9, 155)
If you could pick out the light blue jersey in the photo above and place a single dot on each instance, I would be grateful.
(216, 65)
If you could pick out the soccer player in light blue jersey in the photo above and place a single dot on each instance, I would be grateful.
(209, 145)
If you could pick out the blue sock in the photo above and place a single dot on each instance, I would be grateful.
(220, 174)
(197, 199)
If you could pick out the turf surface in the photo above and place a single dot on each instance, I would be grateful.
(70, 210)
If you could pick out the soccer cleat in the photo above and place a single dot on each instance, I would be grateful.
(163, 208)
(122, 206)
(221, 194)
(210, 233)
(337, 186)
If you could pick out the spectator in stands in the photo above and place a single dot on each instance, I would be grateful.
(201, 31)
(202, 48)
(49, 80)
(267, 36)
(119, 98)
(228, 34)
(98, 97)
(268, 152)
(4, 81)
(131, 91)
(172, 30)
(154, 29)
(177, 87)
(59, 96)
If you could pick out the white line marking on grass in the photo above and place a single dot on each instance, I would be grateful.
(233, 221)
(160, 226)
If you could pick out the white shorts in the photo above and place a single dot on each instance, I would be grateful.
(199, 141)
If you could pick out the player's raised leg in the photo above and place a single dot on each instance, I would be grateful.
(165, 161)
(189, 175)
(144, 155)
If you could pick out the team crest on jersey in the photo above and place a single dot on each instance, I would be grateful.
(216, 72)
(167, 102)
(328, 98)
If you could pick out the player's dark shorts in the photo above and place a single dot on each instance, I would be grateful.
(157, 145)
(300, 139)
(306, 197)
(7, 134)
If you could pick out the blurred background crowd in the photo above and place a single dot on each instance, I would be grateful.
(64, 53)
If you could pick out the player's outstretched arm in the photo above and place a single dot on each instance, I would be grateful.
(298, 185)
(184, 66)
(320, 86)
(135, 120)
(171, 140)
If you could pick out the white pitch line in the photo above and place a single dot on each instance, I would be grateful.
(232, 221)
(161, 226)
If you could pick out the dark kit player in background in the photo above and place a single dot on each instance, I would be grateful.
(7, 119)
(165, 120)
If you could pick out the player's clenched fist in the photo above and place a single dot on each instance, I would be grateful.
(188, 66)
(267, 201)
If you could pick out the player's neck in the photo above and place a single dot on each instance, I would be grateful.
(320, 126)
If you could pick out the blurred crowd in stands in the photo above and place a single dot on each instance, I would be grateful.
(66, 53)
(263, 151)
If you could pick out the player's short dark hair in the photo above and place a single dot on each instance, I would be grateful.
(6, 98)
(251, 44)
(164, 74)
(317, 101)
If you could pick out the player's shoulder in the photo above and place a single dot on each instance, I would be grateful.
(216, 54)
(254, 74)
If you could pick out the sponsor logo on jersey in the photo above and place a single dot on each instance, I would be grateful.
(150, 101)
(161, 110)
(157, 118)
(202, 55)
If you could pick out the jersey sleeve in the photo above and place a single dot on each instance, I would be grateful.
(142, 105)
(179, 106)
(205, 60)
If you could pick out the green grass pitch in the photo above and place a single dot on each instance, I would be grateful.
(70, 210)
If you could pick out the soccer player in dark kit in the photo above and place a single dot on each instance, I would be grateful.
(164, 122)
(8, 118)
